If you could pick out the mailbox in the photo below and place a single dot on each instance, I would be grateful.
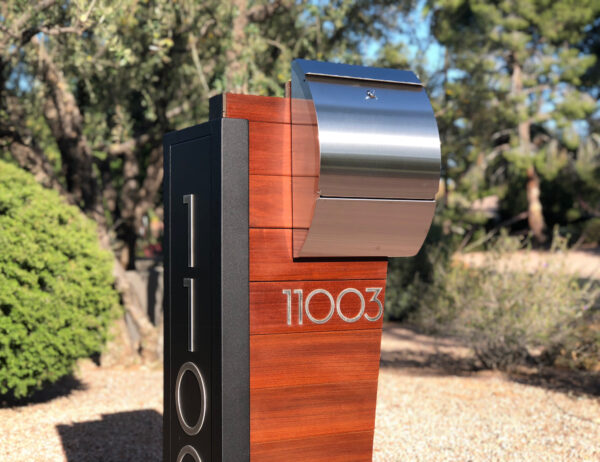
(280, 214)
(366, 153)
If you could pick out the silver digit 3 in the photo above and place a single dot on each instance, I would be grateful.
(375, 291)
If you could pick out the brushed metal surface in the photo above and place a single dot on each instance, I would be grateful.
(377, 139)
(374, 167)
(367, 227)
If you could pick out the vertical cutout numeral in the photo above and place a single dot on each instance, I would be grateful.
(189, 200)
(191, 286)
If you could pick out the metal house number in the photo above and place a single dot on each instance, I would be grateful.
(334, 304)
(190, 428)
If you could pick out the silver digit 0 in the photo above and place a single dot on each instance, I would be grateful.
(338, 305)
(331, 304)
(191, 286)
(189, 200)
(375, 291)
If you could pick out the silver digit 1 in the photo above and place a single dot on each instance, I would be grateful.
(299, 293)
(288, 292)
(191, 286)
(189, 200)
(375, 291)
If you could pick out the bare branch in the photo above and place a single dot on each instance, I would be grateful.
(34, 8)
(260, 13)
(126, 147)
(62, 30)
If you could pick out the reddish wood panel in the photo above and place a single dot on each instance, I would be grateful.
(311, 410)
(303, 111)
(270, 201)
(256, 108)
(269, 309)
(271, 260)
(284, 360)
(313, 386)
(269, 149)
(305, 150)
(304, 192)
(343, 447)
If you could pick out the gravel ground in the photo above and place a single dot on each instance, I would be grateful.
(431, 407)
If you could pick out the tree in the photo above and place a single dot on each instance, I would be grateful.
(88, 88)
(515, 99)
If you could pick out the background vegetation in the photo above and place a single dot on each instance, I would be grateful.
(88, 88)
(56, 287)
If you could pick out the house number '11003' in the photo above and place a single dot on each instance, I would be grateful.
(335, 305)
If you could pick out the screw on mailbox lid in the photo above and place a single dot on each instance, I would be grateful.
(370, 94)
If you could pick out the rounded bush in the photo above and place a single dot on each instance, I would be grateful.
(512, 311)
(57, 297)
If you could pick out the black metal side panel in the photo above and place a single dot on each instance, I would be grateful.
(207, 299)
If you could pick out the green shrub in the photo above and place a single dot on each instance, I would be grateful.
(507, 314)
(56, 286)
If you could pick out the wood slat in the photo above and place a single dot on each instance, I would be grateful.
(271, 260)
(268, 306)
(304, 111)
(312, 410)
(341, 447)
(304, 193)
(270, 201)
(269, 149)
(305, 150)
(256, 108)
(283, 360)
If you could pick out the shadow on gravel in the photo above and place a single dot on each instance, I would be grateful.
(120, 437)
(442, 364)
(565, 381)
(423, 356)
(63, 387)
(428, 363)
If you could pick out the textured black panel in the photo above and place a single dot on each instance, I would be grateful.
(211, 162)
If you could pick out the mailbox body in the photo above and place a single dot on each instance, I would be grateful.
(288, 348)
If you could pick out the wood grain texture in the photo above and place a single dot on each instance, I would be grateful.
(311, 410)
(304, 194)
(286, 360)
(313, 386)
(303, 111)
(268, 306)
(271, 260)
(344, 447)
(270, 201)
(269, 149)
(305, 150)
(256, 108)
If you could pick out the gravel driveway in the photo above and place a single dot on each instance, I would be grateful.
(431, 407)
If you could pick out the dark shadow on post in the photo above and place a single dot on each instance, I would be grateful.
(120, 437)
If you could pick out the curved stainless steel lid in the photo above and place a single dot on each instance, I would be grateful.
(377, 139)
(377, 133)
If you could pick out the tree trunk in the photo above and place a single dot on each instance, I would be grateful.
(535, 216)
(536, 221)
(66, 124)
(236, 73)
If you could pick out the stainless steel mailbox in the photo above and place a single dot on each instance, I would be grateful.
(365, 160)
